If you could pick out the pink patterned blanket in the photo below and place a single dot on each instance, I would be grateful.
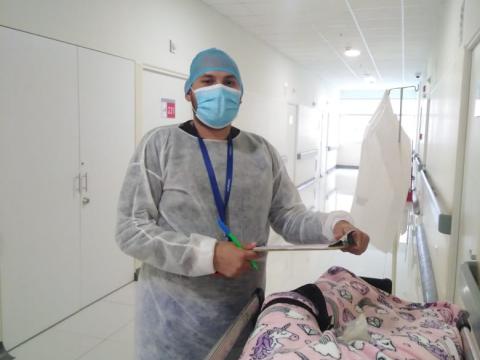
(394, 329)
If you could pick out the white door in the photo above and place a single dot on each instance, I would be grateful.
(157, 88)
(107, 129)
(469, 239)
(307, 144)
(422, 128)
(39, 207)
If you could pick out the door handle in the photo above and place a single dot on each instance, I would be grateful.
(78, 183)
(85, 183)
(85, 200)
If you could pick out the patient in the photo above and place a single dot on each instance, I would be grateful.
(342, 316)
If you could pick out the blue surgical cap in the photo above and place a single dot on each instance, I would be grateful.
(211, 60)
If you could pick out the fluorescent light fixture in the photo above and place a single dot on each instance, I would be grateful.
(351, 52)
(369, 79)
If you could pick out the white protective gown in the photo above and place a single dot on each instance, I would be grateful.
(167, 219)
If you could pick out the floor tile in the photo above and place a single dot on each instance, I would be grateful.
(56, 345)
(110, 350)
(101, 319)
(125, 295)
(125, 334)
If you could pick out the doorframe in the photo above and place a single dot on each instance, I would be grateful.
(459, 161)
(295, 136)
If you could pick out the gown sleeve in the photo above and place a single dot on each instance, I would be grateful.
(137, 231)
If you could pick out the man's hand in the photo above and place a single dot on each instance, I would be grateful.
(361, 239)
(231, 261)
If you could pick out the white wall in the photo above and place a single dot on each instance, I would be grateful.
(349, 154)
(448, 90)
(141, 30)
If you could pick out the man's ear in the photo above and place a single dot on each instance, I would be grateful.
(188, 95)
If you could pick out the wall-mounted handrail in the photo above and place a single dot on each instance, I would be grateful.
(443, 218)
(429, 287)
(307, 154)
(306, 184)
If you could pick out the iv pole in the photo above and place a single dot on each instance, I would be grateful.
(401, 105)
(395, 242)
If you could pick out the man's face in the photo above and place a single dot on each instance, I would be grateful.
(213, 78)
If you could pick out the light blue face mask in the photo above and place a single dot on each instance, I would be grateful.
(217, 105)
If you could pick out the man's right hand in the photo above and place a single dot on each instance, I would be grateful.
(231, 261)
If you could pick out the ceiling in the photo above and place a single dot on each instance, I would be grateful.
(395, 37)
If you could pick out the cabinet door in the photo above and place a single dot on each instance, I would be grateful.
(107, 131)
(39, 207)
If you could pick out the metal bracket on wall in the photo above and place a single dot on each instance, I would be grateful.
(444, 219)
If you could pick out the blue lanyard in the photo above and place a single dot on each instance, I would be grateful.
(219, 202)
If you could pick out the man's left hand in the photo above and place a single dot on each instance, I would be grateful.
(361, 239)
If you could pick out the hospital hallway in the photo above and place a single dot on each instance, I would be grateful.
(105, 329)
(145, 145)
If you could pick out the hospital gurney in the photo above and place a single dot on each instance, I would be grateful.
(228, 346)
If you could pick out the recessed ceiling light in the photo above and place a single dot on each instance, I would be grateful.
(351, 52)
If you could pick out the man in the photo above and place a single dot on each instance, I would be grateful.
(177, 205)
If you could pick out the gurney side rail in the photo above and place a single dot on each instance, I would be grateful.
(228, 340)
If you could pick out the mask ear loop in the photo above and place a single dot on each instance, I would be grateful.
(191, 101)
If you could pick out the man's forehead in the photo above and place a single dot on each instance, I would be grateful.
(223, 74)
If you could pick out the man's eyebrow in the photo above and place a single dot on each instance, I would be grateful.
(206, 76)
(230, 77)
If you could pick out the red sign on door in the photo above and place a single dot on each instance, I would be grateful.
(171, 110)
(168, 108)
